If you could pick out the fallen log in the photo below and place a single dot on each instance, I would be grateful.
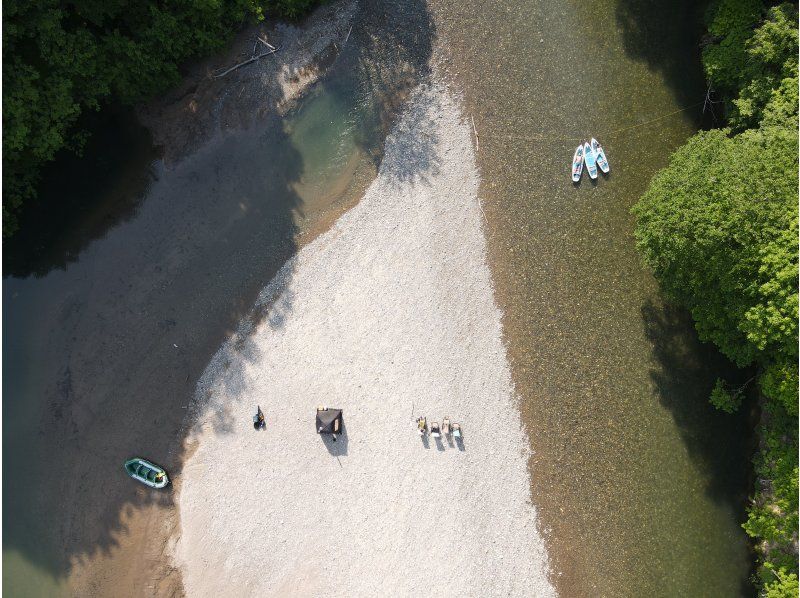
(248, 61)
(265, 42)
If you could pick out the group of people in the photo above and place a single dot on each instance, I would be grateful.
(447, 428)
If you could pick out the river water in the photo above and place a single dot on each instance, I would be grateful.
(113, 307)
(640, 482)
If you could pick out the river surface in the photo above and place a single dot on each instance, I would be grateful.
(113, 306)
(641, 483)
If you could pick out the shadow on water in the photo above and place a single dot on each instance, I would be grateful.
(82, 197)
(684, 376)
(105, 344)
(116, 348)
(656, 33)
(402, 35)
(718, 443)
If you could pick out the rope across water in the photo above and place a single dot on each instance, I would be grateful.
(605, 135)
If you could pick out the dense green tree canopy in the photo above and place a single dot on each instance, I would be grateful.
(749, 62)
(719, 230)
(784, 586)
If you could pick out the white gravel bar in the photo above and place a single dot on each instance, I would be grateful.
(388, 316)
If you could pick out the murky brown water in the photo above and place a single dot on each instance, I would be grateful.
(640, 482)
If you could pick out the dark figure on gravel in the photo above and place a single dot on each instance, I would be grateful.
(259, 423)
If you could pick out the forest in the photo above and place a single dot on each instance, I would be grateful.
(719, 229)
(62, 60)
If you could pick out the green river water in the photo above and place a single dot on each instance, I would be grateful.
(74, 359)
(112, 309)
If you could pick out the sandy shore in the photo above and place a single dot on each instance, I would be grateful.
(388, 315)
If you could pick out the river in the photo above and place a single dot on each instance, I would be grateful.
(641, 483)
(113, 307)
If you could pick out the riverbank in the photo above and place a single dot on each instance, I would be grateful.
(389, 315)
(205, 118)
(203, 105)
(113, 324)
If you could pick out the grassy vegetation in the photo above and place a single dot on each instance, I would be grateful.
(719, 229)
(61, 59)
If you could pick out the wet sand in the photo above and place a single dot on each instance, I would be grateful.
(389, 315)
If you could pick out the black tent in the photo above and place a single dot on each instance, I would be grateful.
(329, 421)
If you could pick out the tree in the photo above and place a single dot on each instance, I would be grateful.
(785, 586)
(719, 229)
(748, 63)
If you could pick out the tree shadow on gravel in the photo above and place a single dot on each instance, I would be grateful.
(414, 157)
(338, 447)
(102, 358)
(387, 57)
(391, 56)
(684, 374)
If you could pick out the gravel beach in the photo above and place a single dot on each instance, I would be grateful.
(388, 316)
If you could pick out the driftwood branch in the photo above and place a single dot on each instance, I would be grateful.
(248, 61)
(265, 42)
(477, 147)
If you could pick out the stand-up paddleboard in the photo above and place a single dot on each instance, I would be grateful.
(602, 162)
(577, 164)
(591, 161)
